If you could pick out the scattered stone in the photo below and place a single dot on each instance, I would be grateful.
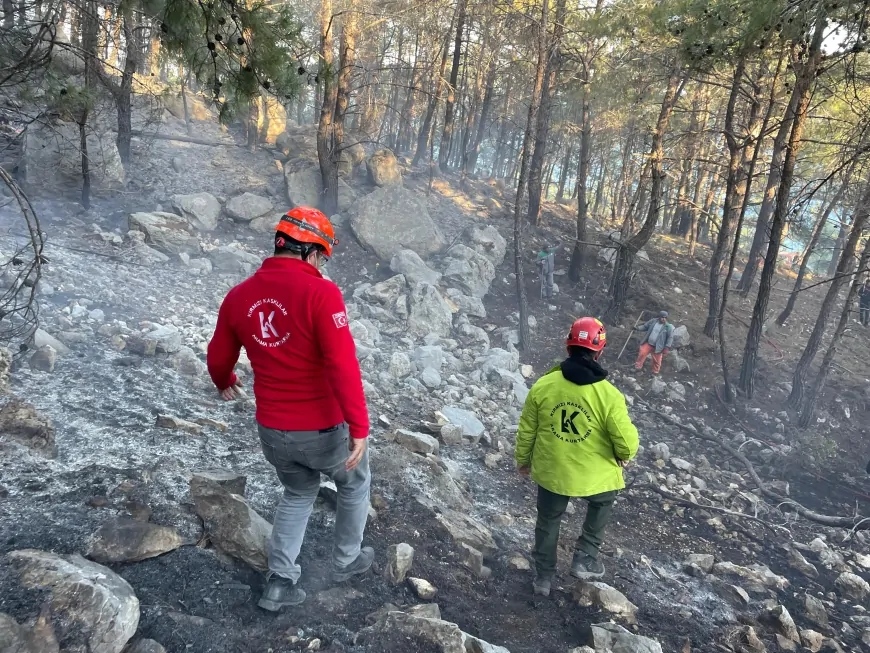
(438, 635)
(430, 378)
(469, 270)
(606, 598)
(400, 557)
(798, 562)
(409, 263)
(247, 207)
(492, 459)
(466, 304)
(392, 219)
(734, 594)
(778, 617)
(815, 612)
(489, 242)
(186, 362)
(130, 540)
(417, 442)
(400, 365)
(519, 562)
(612, 637)
(681, 337)
(178, 424)
(231, 524)
(680, 364)
(383, 168)
(427, 610)
(852, 586)
(452, 433)
(472, 559)
(166, 338)
(812, 640)
(423, 588)
(41, 338)
(682, 465)
(461, 527)
(661, 451)
(92, 607)
(201, 210)
(22, 423)
(167, 232)
(234, 259)
(658, 386)
(744, 639)
(428, 311)
(704, 561)
(760, 577)
(472, 428)
(44, 359)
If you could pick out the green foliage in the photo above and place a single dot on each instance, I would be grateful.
(234, 49)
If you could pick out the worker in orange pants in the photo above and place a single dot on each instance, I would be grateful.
(658, 338)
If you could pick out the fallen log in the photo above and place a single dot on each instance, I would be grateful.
(182, 139)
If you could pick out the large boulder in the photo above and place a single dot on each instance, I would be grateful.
(247, 207)
(469, 270)
(383, 169)
(166, 232)
(428, 311)
(394, 218)
(231, 524)
(20, 422)
(305, 188)
(466, 303)
(130, 540)
(472, 428)
(201, 210)
(92, 608)
(409, 263)
(53, 157)
(489, 242)
(681, 337)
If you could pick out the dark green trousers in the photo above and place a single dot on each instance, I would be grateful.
(551, 507)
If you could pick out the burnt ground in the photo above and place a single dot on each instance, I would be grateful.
(195, 600)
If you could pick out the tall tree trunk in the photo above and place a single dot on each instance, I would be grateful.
(563, 172)
(842, 235)
(819, 227)
(805, 78)
(124, 96)
(808, 405)
(542, 131)
(89, 53)
(525, 342)
(483, 122)
(578, 256)
(425, 134)
(8, 14)
(450, 105)
(629, 248)
(328, 169)
(842, 277)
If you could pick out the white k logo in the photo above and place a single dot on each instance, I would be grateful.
(266, 326)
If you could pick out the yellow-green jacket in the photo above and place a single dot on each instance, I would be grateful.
(574, 429)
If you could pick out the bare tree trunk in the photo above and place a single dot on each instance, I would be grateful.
(447, 134)
(425, 133)
(629, 248)
(578, 256)
(124, 96)
(483, 122)
(805, 78)
(819, 227)
(808, 405)
(525, 341)
(328, 169)
(183, 76)
(8, 14)
(842, 235)
(89, 52)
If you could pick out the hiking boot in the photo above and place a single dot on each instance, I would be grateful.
(279, 593)
(541, 586)
(586, 567)
(361, 565)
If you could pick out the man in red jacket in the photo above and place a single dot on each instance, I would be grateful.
(311, 410)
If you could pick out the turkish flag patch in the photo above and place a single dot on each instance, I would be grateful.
(340, 319)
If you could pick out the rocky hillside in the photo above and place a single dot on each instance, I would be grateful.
(135, 504)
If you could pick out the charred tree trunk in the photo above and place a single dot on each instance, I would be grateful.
(805, 78)
(425, 134)
(447, 134)
(810, 249)
(842, 235)
(629, 248)
(844, 271)
(808, 405)
(525, 341)
(124, 96)
(328, 169)
(578, 256)
(483, 122)
(563, 173)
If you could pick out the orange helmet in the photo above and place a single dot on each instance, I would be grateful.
(589, 333)
(306, 225)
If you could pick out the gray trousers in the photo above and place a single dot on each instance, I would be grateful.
(299, 458)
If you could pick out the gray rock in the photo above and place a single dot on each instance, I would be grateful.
(680, 364)
(130, 540)
(186, 362)
(417, 442)
(44, 359)
(39, 638)
(704, 561)
(409, 263)
(428, 357)
(489, 242)
(469, 270)
(234, 259)
(466, 304)
(778, 617)
(166, 339)
(797, 561)
(5, 368)
(498, 359)
(400, 557)
(815, 612)
(852, 586)
(400, 365)
(92, 607)
(145, 646)
(606, 598)
(443, 636)
(201, 210)
(423, 588)
(813, 640)
(22, 423)
(681, 337)
(658, 386)
(661, 451)
(759, 577)
(461, 528)
(430, 378)
(682, 465)
(452, 433)
(428, 311)
(383, 168)
(247, 207)
(166, 232)
(392, 219)
(41, 339)
(611, 637)
(232, 525)
(472, 427)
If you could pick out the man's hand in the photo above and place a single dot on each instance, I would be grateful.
(622, 463)
(524, 470)
(665, 351)
(232, 392)
(357, 449)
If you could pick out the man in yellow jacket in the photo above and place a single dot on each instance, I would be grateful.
(574, 438)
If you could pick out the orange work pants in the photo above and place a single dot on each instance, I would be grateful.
(647, 349)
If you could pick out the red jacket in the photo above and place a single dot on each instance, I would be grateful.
(293, 324)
